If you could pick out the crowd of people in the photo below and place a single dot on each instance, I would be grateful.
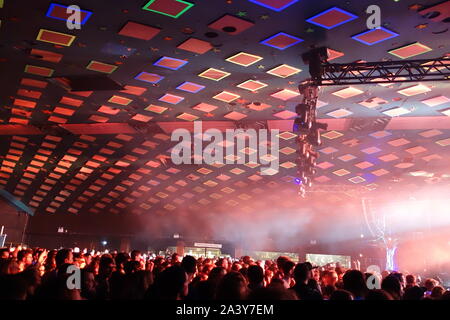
(38, 274)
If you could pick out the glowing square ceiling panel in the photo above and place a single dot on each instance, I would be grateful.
(444, 143)
(436, 101)
(231, 25)
(430, 133)
(29, 93)
(328, 150)
(347, 157)
(348, 92)
(285, 94)
(33, 83)
(371, 150)
(414, 90)
(149, 77)
(244, 59)
(196, 46)
(375, 36)
(137, 91)
(325, 165)
(47, 55)
(332, 18)
(120, 100)
(281, 41)
(170, 98)
(416, 150)
(55, 37)
(101, 67)
(399, 142)
(39, 71)
(340, 113)
(236, 116)
(204, 107)
(404, 165)
(286, 114)
(341, 172)
(411, 50)
(59, 12)
(170, 63)
(357, 179)
(388, 158)
(395, 112)
(276, 5)
(108, 110)
(284, 71)
(258, 106)
(226, 96)
(170, 8)
(71, 102)
(332, 135)
(190, 87)
(380, 134)
(364, 165)
(187, 117)
(252, 85)
(138, 31)
(214, 74)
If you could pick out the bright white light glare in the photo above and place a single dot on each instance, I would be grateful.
(362, 236)
(76, 250)
(104, 243)
(421, 174)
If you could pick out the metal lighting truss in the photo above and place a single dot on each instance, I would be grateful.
(365, 73)
(385, 72)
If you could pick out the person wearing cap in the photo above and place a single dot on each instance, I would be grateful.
(303, 287)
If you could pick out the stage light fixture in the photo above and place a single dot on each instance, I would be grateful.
(314, 58)
(314, 138)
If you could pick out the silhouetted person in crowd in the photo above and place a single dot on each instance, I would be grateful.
(413, 293)
(273, 293)
(410, 281)
(446, 295)
(255, 275)
(233, 286)
(171, 284)
(341, 295)
(355, 283)
(4, 253)
(429, 285)
(377, 294)
(24, 259)
(302, 275)
(206, 290)
(391, 284)
(437, 293)
(189, 264)
(286, 270)
(105, 270)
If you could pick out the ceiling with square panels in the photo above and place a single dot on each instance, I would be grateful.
(222, 62)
